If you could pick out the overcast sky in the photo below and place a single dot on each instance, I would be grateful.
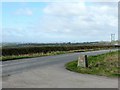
(44, 22)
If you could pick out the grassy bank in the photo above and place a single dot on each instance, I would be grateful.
(32, 55)
(104, 65)
(8, 51)
(14, 57)
(12, 53)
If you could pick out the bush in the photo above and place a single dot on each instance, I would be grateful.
(46, 49)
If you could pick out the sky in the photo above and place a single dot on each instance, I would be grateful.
(51, 22)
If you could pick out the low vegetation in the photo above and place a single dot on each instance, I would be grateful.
(104, 65)
(45, 49)
(12, 53)
(13, 57)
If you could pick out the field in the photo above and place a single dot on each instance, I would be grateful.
(104, 65)
(9, 53)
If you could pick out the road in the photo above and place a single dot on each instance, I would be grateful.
(49, 72)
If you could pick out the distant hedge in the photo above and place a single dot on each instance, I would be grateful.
(30, 50)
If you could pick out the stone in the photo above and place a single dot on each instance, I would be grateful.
(82, 61)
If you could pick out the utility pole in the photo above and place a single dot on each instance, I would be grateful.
(112, 38)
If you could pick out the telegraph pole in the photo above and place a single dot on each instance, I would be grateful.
(112, 38)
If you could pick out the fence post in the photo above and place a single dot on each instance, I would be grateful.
(86, 61)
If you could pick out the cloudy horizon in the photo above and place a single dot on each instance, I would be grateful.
(48, 22)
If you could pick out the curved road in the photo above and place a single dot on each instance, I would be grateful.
(49, 72)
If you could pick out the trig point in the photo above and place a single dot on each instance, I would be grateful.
(82, 61)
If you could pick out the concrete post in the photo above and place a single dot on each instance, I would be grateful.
(82, 61)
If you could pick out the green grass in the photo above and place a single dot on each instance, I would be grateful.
(104, 65)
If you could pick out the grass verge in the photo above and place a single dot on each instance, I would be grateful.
(104, 65)
(14, 57)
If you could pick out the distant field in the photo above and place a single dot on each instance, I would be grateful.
(104, 65)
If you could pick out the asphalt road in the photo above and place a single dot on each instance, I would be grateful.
(49, 72)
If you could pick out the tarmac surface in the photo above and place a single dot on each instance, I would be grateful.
(49, 72)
